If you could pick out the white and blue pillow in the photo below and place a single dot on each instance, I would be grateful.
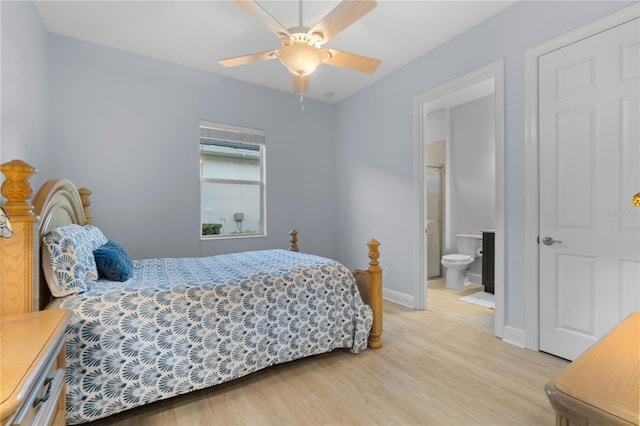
(68, 260)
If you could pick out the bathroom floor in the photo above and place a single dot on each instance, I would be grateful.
(445, 301)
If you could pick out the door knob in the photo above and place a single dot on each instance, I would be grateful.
(549, 241)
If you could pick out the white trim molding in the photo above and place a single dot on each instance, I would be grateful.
(400, 298)
(515, 336)
(495, 70)
(531, 158)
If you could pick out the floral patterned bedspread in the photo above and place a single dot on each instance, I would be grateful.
(180, 325)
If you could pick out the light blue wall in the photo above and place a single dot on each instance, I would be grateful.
(376, 195)
(127, 127)
(471, 170)
(25, 89)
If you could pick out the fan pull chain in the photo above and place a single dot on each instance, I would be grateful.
(301, 103)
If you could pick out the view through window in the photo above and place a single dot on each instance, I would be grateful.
(232, 181)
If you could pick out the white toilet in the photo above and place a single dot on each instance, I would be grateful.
(457, 265)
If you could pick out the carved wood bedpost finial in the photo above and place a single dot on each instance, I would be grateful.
(374, 253)
(17, 253)
(375, 296)
(85, 193)
(17, 190)
(293, 239)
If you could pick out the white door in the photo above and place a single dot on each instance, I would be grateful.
(589, 138)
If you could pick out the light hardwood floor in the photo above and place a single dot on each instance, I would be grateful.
(432, 370)
(445, 301)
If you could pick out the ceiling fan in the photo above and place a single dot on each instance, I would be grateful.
(302, 50)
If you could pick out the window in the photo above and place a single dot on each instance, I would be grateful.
(232, 181)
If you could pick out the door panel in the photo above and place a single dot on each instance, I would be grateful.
(630, 170)
(629, 288)
(589, 152)
(576, 296)
(575, 147)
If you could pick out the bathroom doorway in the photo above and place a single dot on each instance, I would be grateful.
(450, 186)
(462, 125)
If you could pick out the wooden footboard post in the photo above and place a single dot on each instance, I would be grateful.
(370, 287)
(17, 262)
(375, 294)
(293, 239)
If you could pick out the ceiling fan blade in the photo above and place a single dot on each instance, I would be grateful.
(352, 61)
(300, 83)
(343, 15)
(247, 59)
(254, 9)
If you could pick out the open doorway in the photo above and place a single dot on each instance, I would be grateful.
(462, 191)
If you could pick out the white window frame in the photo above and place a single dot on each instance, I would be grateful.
(237, 134)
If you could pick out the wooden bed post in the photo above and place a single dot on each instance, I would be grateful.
(17, 263)
(375, 294)
(86, 203)
(293, 239)
(370, 286)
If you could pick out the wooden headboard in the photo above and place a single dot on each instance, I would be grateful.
(58, 203)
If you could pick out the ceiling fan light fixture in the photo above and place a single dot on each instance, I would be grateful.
(301, 58)
(302, 49)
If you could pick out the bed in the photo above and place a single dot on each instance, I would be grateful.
(179, 325)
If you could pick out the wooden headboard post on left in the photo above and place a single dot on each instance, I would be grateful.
(17, 256)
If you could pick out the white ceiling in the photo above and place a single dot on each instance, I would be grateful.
(198, 33)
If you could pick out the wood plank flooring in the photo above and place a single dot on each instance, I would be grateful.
(445, 301)
(432, 370)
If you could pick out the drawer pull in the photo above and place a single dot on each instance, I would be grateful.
(47, 382)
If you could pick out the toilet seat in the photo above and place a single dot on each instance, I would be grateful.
(457, 258)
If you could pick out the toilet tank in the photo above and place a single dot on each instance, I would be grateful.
(468, 244)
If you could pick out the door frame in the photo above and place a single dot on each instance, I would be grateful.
(531, 202)
(495, 70)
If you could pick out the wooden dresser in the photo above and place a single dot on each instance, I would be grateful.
(602, 387)
(32, 389)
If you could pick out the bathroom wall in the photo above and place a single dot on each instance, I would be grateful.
(471, 166)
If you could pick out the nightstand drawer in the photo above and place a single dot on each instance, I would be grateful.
(41, 404)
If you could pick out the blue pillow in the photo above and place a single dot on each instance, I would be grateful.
(113, 262)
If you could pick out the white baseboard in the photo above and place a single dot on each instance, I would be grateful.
(397, 297)
(514, 336)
